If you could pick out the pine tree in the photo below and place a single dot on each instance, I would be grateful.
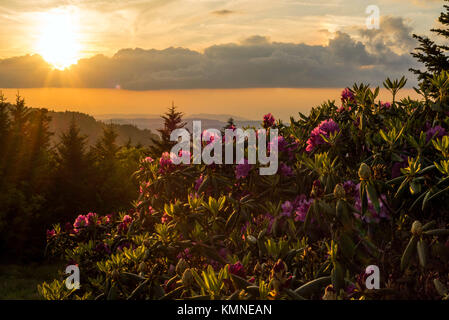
(71, 150)
(16, 152)
(172, 121)
(71, 192)
(230, 124)
(38, 144)
(4, 131)
(434, 56)
(106, 148)
(108, 175)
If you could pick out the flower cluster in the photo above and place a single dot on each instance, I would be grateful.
(325, 128)
(297, 208)
(268, 121)
(242, 169)
(83, 221)
(166, 164)
(123, 226)
(347, 96)
(295, 235)
(436, 132)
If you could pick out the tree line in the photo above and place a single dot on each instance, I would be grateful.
(41, 183)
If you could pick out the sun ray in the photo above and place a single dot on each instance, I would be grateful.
(59, 42)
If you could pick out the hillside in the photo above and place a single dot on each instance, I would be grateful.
(151, 122)
(93, 128)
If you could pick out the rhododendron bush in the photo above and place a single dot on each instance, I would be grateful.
(360, 182)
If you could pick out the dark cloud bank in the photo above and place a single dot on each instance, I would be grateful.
(253, 63)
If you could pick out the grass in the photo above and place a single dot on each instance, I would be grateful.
(19, 282)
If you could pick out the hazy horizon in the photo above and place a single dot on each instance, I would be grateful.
(251, 104)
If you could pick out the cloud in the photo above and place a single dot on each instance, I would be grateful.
(223, 12)
(255, 62)
(394, 35)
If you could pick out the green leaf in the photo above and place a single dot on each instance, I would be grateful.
(437, 232)
(372, 193)
(408, 252)
(422, 252)
(313, 286)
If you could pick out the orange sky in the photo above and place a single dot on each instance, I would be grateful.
(247, 103)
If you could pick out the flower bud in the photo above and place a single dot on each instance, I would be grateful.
(416, 228)
(181, 266)
(142, 267)
(364, 171)
(187, 278)
(339, 191)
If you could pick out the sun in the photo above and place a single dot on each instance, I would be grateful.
(58, 40)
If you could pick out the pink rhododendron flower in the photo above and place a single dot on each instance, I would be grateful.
(268, 121)
(436, 132)
(237, 269)
(165, 163)
(80, 222)
(286, 170)
(302, 205)
(209, 136)
(51, 233)
(284, 146)
(385, 105)
(126, 221)
(325, 128)
(91, 218)
(347, 96)
(287, 208)
(299, 207)
(242, 170)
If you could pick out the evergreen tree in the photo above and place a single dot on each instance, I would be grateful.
(230, 124)
(434, 56)
(36, 167)
(172, 121)
(108, 177)
(106, 148)
(16, 152)
(4, 131)
(70, 194)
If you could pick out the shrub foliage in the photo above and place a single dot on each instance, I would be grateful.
(362, 183)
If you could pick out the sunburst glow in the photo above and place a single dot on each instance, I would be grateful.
(59, 42)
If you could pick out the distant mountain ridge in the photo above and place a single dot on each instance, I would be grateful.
(211, 116)
(208, 121)
(93, 128)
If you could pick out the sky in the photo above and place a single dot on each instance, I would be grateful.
(193, 44)
(244, 57)
(250, 104)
